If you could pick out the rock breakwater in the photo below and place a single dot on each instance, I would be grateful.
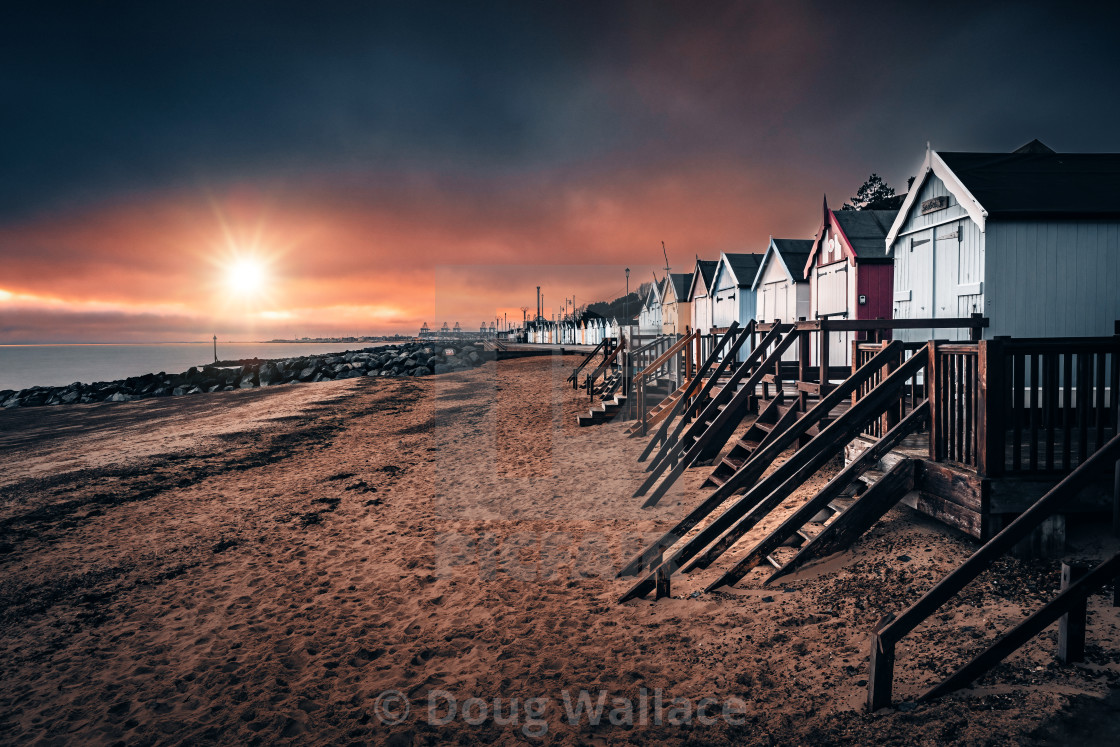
(409, 359)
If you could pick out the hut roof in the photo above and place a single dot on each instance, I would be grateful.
(744, 267)
(865, 230)
(1032, 181)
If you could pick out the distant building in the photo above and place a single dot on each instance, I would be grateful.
(733, 298)
(676, 311)
(698, 295)
(649, 318)
(780, 286)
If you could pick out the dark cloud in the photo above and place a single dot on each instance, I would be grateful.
(442, 133)
(102, 97)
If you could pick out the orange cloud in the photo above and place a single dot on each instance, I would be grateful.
(385, 255)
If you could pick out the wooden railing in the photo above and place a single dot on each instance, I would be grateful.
(1105, 460)
(1061, 400)
(674, 363)
(817, 353)
(604, 346)
(1016, 405)
(912, 396)
(954, 398)
(609, 360)
(637, 360)
(1023, 405)
(702, 382)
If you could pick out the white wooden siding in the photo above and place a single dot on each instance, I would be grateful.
(1052, 279)
(933, 187)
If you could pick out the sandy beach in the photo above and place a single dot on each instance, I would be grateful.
(263, 566)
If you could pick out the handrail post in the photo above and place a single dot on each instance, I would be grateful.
(976, 332)
(880, 679)
(990, 430)
(934, 396)
(891, 416)
(1116, 512)
(1071, 625)
(823, 356)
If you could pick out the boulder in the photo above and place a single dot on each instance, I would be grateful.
(269, 375)
(421, 371)
(441, 368)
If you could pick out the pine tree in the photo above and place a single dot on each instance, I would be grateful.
(875, 194)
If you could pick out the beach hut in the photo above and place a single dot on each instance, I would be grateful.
(780, 286)
(698, 295)
(850, 274)
(649, 319)
(614, 330)
(732, 297)
(676, 311)
(1030, 239)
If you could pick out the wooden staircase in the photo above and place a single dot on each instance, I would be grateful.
(660, 411)
(765, 491)
(705, 437)
(849, 504)
(607, 410)
(776, 416)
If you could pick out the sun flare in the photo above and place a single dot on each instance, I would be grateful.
(246, 277)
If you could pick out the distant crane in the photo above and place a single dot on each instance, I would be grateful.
(666, 255)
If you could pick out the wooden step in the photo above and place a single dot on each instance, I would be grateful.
(871, 476)
(811, 530)
(781, 556)
(732, 463)
(841, 503)
(764, 427)
(714, 480)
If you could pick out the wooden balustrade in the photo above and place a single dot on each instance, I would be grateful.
(1022, 406)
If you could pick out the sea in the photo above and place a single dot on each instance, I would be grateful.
(23, 366)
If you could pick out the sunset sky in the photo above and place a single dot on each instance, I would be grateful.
(385, 164)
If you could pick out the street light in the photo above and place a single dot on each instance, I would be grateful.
(626, 300)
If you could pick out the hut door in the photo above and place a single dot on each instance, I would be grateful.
(832, 289)
(921, 273)
(766, 298)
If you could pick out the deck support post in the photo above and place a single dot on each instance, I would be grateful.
(662, 588)
(881, 676)
(1116, 499)
(934, 396)
(1071, 625)
(822, 358)
(991, 398)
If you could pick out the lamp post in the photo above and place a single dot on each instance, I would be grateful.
(626, 300)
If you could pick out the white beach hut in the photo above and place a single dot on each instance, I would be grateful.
(1029, 239)
(698, 294)
(732, 297)
(780, 286)
(649, 319)
(676, 311)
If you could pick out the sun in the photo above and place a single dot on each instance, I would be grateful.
(246, 277)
